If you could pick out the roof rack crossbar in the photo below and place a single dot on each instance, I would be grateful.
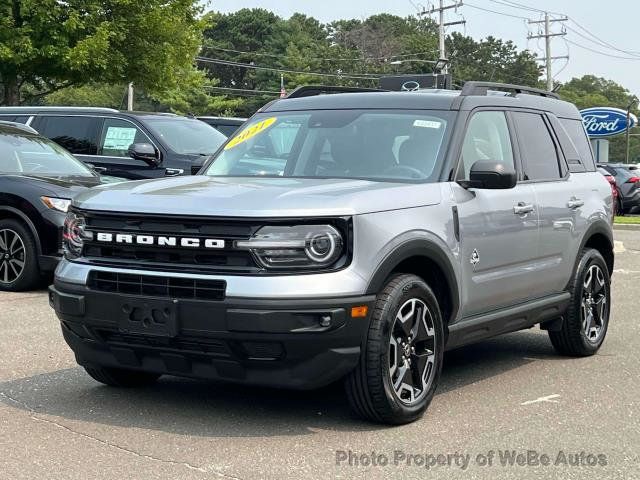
(481, 88)
(313, 90)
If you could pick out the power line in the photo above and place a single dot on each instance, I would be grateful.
(337, 59)
(602, 53)
(230, 63)
(467, 4)
(599, 41)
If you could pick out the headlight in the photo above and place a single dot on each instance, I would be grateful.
(74, 235)
(59, 204)
(300, 246)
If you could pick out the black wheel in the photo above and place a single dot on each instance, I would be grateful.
(587, 318)
(401, 361)
(18, 257)
(117, 377)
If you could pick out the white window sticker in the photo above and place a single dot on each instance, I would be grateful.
(119, 138)
(426, 124)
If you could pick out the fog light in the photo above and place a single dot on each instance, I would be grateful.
(325, 321)
(359, 311)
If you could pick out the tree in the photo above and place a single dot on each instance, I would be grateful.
(591, 91)
(46, 45)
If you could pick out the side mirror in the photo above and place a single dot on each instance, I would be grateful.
(491, 175)
(145, 152)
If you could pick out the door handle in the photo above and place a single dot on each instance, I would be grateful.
(172, 172)
(521, 208)
(575, 203)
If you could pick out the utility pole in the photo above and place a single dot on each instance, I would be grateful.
(130, 97)
(441, 23)
(548, 35)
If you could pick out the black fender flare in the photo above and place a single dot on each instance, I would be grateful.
(28, 222)
(602, 227)
(417, 248)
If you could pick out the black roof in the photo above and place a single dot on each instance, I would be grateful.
(78, 110)
(425, 100)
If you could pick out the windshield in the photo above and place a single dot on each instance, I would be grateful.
(187, 136)
(368, 144)
(29, 154)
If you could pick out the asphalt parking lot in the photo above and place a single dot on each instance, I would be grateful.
(510, 394)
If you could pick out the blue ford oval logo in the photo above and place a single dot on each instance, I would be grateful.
(606, 121)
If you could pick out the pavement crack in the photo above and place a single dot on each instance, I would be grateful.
(34, 416)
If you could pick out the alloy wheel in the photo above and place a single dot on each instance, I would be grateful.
(595, 306)
(12, 256)
(412, 352)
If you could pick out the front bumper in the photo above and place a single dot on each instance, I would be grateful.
(300, 343)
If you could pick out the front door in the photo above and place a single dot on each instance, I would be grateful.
(498, 228)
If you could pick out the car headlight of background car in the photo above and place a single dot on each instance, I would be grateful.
(296, 247)
(74, 235)
(59, 204)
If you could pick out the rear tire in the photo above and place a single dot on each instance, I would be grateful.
(401, 361)
(117, 377)
(587, 318)
(19, 268)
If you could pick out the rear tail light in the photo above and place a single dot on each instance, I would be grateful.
(633, 180)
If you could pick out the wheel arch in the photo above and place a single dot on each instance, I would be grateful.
(599, 236)
(17, 214)
(428, 261)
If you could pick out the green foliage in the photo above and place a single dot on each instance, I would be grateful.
(46, 45)
(591, 91)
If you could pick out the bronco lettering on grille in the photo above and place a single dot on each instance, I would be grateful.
(161, 241)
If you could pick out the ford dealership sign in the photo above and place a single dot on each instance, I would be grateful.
(606, 121)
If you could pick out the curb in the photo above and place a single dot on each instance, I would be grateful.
(624, 226)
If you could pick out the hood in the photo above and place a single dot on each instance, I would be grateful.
(63, 187)
(257, 196)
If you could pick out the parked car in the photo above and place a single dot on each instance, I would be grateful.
(226, 125)
(628, 183)
(615, 192)
(132, 145)
(351, 236)
(38, 178)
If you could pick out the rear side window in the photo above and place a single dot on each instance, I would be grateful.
(76, 134)
(575, 130)
(537, 149)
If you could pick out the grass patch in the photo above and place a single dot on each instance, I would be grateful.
(626, 220)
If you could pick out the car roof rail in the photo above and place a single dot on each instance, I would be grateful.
(313, 90)
(19, 126)
(482, 88)
(53, 109)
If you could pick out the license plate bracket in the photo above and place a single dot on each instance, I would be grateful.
(149, 316)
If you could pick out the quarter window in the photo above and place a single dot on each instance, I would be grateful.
(116, 137)
(487, 138)
(537, 149)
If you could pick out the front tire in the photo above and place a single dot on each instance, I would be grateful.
(400, 363)
(18, 257)
(117, 377)
(587, 318)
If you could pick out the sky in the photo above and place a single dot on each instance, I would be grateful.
(617, 26)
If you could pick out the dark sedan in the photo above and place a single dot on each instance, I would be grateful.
(628, 183)
(38, 178)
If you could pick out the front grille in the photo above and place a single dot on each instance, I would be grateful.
(155, 257)
(157, 286)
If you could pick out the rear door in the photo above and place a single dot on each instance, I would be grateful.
(498, 228)
(76, 133)
(559, 194)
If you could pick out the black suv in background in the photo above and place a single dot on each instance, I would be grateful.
(131, 145)
(226, 125)
(628, 183)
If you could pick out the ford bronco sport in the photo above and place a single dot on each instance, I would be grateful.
(351, 236)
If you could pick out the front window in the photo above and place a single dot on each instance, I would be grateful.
(367, 144)
(186, 136)
(32, 155)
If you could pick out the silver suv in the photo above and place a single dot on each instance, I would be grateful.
(351, 236)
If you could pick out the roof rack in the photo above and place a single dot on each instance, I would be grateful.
(481, 88)
(313, 90)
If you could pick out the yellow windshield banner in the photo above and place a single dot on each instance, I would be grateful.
(250, 132)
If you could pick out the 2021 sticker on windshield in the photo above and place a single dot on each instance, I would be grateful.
(250, 132)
